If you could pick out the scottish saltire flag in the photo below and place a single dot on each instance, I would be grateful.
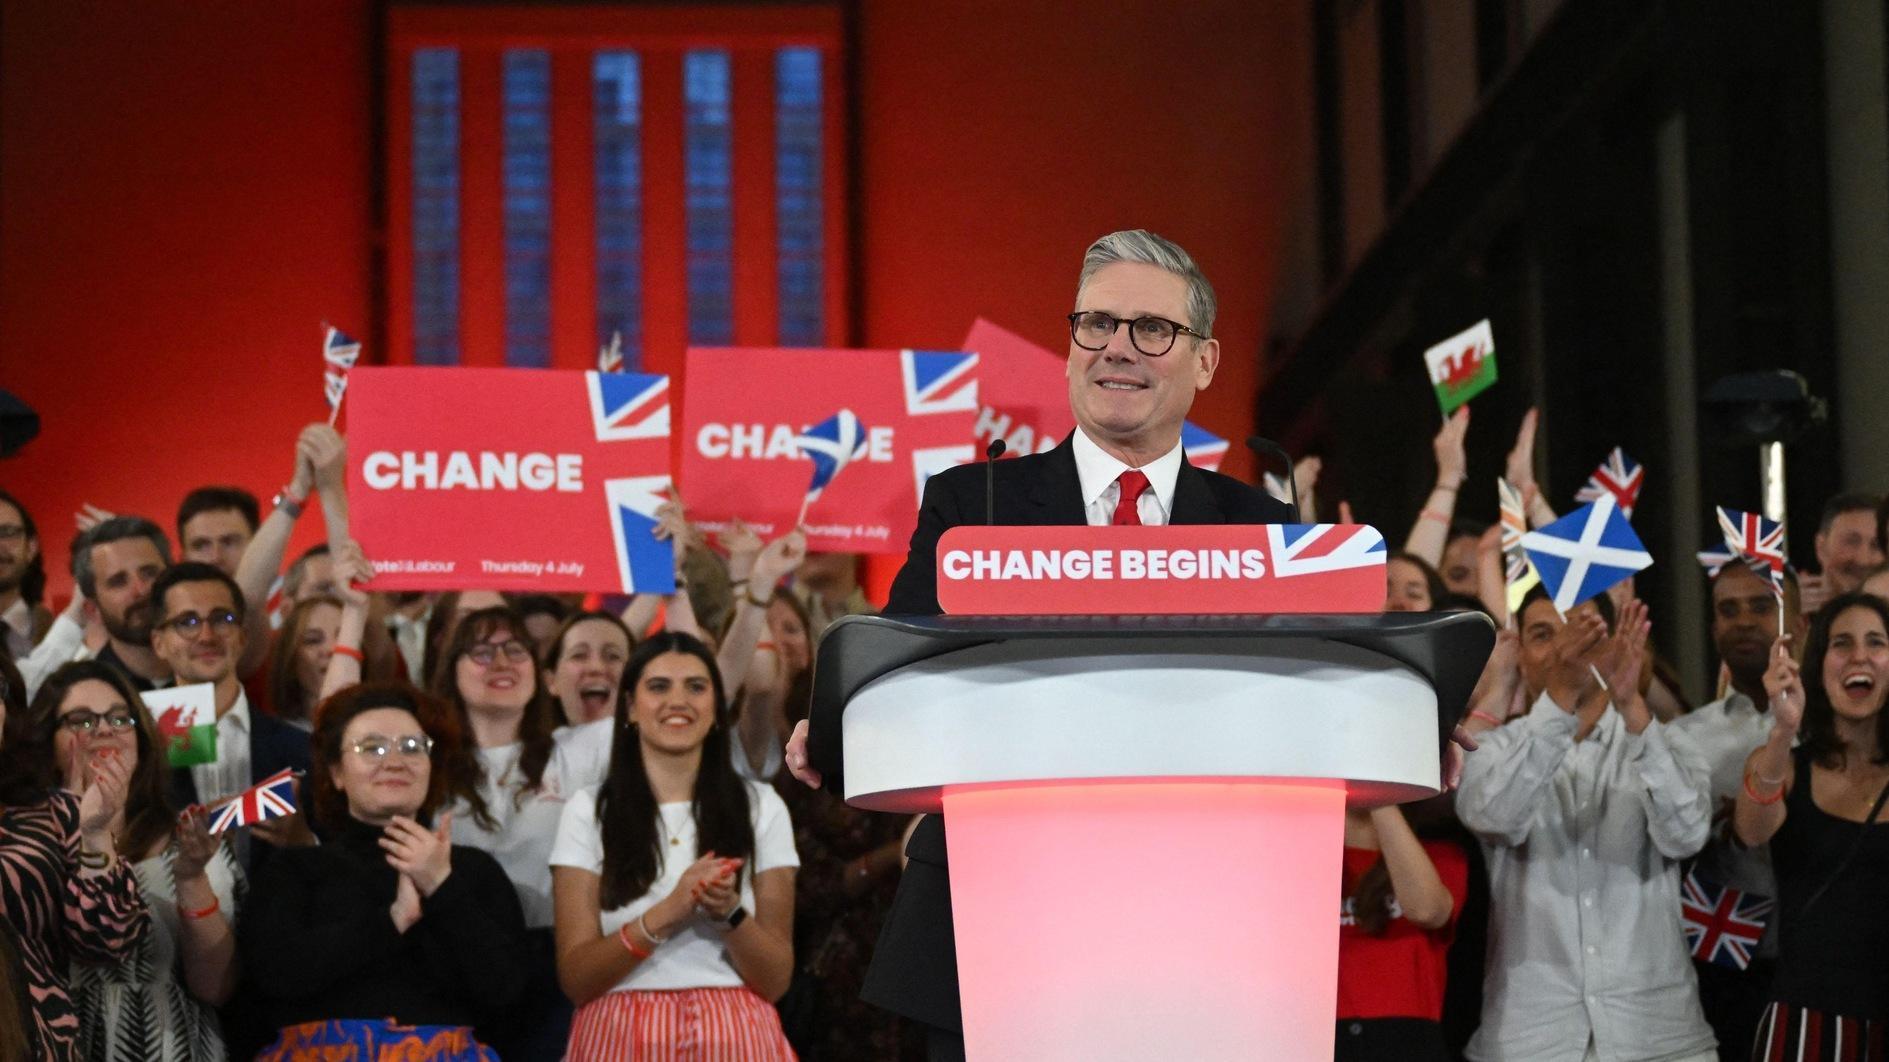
(186, 722)
(830, 445)
(628, 405)
(1462, 366)
(1723, 925)
(610, 356)
(1308, 549)
(339, 350)
(1518, 576)
(271, 798)
(1585, 552)
(1203, 448)
(1620, 476)
(939, 381)
(1759, 542)
(645, 564)
(334, 384)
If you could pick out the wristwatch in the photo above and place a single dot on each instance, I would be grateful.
(289, 503)
(735, 918)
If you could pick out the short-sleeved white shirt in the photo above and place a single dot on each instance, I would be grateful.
(696, 956)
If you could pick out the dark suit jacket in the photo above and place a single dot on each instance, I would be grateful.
(914, 969)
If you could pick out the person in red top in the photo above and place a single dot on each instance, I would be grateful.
(1401, 899)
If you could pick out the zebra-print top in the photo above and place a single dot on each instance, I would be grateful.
(60, 917)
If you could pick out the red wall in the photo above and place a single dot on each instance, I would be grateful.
(185, 195)
(999, 139)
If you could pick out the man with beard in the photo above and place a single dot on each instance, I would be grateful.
(23, 620)
(115, 563)
(1744, 625)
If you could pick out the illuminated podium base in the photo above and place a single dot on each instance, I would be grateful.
(1146, 826)
(1147, 920)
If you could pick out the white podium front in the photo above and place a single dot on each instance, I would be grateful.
(1145, 814)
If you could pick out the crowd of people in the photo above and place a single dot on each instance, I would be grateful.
(532, 826)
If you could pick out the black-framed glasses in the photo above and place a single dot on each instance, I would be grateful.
(1153, 336)
(484, 653)
(222, 621)
(375, 747)
(84, 721)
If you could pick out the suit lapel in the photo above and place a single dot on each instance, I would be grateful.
(1193, 499)
(1055, 498)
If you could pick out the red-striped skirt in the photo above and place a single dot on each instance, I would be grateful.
(1799, 1034)
(689, 1025)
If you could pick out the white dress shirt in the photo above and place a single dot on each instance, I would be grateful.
(1098, 470)
(228, 774)
(1583, 842)
(64, 643)
(1726, 732)
(18, 621)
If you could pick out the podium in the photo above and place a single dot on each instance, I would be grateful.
(1145, 813)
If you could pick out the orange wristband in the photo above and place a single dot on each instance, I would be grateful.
(1753, 793)
(192, 916)
(629, 944)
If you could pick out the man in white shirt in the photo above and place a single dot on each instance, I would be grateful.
(1744, 624)
(198, 631)
(1585, 808)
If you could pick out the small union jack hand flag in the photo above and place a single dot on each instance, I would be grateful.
(340, 350)
(1757, 541)
(610, 357)
(1723, 925)
(1620, 476)
(271, 798)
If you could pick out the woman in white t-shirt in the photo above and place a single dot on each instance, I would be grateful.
(673, 880)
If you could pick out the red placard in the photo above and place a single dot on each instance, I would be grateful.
(746, 406)
(509, 479)
(1196, 569)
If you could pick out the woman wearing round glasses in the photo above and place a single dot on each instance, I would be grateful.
(504, 799)
(63, 890)
(159, 1001)
(674, 879)
(387, 940)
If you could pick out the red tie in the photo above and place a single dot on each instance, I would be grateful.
(1133, 483)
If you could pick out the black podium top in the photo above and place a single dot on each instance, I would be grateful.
(1448, 649)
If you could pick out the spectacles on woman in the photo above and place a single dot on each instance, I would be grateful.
(84, 721)
(375, 747)
(485, 653)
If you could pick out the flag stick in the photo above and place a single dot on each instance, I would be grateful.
(805, 503)
(1595, 671)
(334, 411)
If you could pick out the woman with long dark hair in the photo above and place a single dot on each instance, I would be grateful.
(1820, 807)
(159, 1003)
(505, 800)
(387, 940)
(298, 658)
(63, 888)
(674, 879)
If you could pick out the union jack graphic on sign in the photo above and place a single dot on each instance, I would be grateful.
(938, 381)
(629, 405)
(1309, 549)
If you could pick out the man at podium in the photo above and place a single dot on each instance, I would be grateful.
(1140, 347)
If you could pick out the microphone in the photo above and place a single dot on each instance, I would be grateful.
(1264, 448)
(991, 454)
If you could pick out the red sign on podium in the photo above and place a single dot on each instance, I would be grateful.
(1194, 569)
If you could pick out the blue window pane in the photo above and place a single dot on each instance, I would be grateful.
(617, 127)
(527, 206)
(435, 102)
(797, 192)
(707, 183)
